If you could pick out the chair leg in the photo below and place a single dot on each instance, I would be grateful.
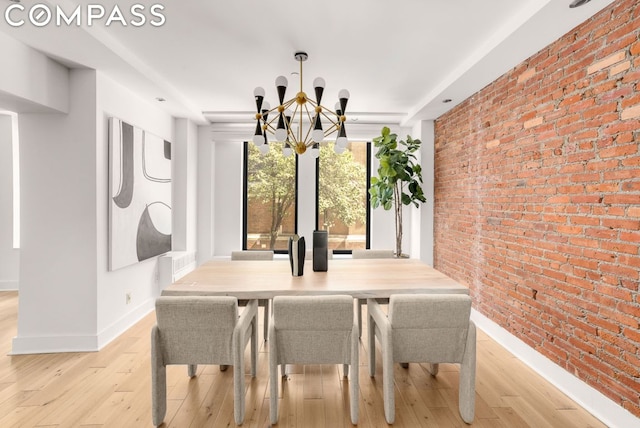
(192, 369)
(360, 303)
(371, 328)
(254, 346)
(354, 381)
(158, 380)
(273, 381)
(433, 368)
(387, 384)
(467, 387)
(238, 388)
(266, 320)
(354, 394)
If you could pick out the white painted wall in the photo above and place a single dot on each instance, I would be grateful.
(9, 257)
(114, 315)
(206, 195)
(57, 305)
(425, 131)
(185, 177)
(69, 301)
(31, 81)
(227, 198)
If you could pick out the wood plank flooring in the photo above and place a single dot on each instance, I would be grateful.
(111, 388)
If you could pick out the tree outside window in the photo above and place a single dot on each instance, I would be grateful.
(342, 195)
(270, 198)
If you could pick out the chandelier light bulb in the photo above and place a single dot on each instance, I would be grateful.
(318, 82)
(315, 152)
(317, 135)
(281, 81)
(343, 94)
(258, 92)
(281, 134)
(341, 142)
(286, 151)
(338, 149)
(264, 149)
(258, 140)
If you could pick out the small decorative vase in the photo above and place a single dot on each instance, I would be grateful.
(296, 255)
(320, 251)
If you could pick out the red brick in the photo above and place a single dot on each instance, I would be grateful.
(565, 196)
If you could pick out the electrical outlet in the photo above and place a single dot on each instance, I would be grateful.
(128, 297)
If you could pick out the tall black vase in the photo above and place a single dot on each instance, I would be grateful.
(296, 255)
(320, 250)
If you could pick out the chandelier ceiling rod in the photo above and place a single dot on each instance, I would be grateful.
(283, 130)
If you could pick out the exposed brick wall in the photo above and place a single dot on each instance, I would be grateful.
(537, 201)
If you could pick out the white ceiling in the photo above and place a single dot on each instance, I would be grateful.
(399, 59)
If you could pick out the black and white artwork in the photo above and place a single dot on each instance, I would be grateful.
(139, 194)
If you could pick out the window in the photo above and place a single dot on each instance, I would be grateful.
(342, 204)
(341, 197)
(270, 198)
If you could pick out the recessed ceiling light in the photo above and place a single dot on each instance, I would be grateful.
(15, 1)
(447, 100)
(160, 99)
(578, 3)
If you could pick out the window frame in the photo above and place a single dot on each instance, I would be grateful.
(245, 198)
(367, 196)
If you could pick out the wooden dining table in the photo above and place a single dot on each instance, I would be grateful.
(360, 278)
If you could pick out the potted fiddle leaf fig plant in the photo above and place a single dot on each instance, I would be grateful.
(399, 180)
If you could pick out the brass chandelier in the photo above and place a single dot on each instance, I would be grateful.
(302, 127)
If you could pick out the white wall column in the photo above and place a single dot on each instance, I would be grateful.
(185, 176)
(57, 305)
(9, 256)
(425, 131)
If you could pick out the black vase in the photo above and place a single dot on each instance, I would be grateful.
(296, 255)
(320, 251)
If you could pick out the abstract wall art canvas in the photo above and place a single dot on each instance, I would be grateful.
(139, 194)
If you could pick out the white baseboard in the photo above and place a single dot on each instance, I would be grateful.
(596, 403)
(8, 285)
(53, 344)
(120, 326)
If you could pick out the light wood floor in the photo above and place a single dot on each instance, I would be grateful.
(111, 388)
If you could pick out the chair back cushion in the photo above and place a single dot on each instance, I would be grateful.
(429, 327)
(197, 329)
(372, 254)
(313, 329)
(252, 255)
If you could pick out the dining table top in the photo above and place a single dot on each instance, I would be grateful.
(360, 278)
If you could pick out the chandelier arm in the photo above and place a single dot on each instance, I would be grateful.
(288, 103)
(333, 128)
(309, 129)
(269, 123)
(294, 137)
(329, 118)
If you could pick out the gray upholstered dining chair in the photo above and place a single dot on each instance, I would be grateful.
(369, 254)
(425, 328)
(313, 330)
(256, 255)
(252, 255)
(201, 330)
